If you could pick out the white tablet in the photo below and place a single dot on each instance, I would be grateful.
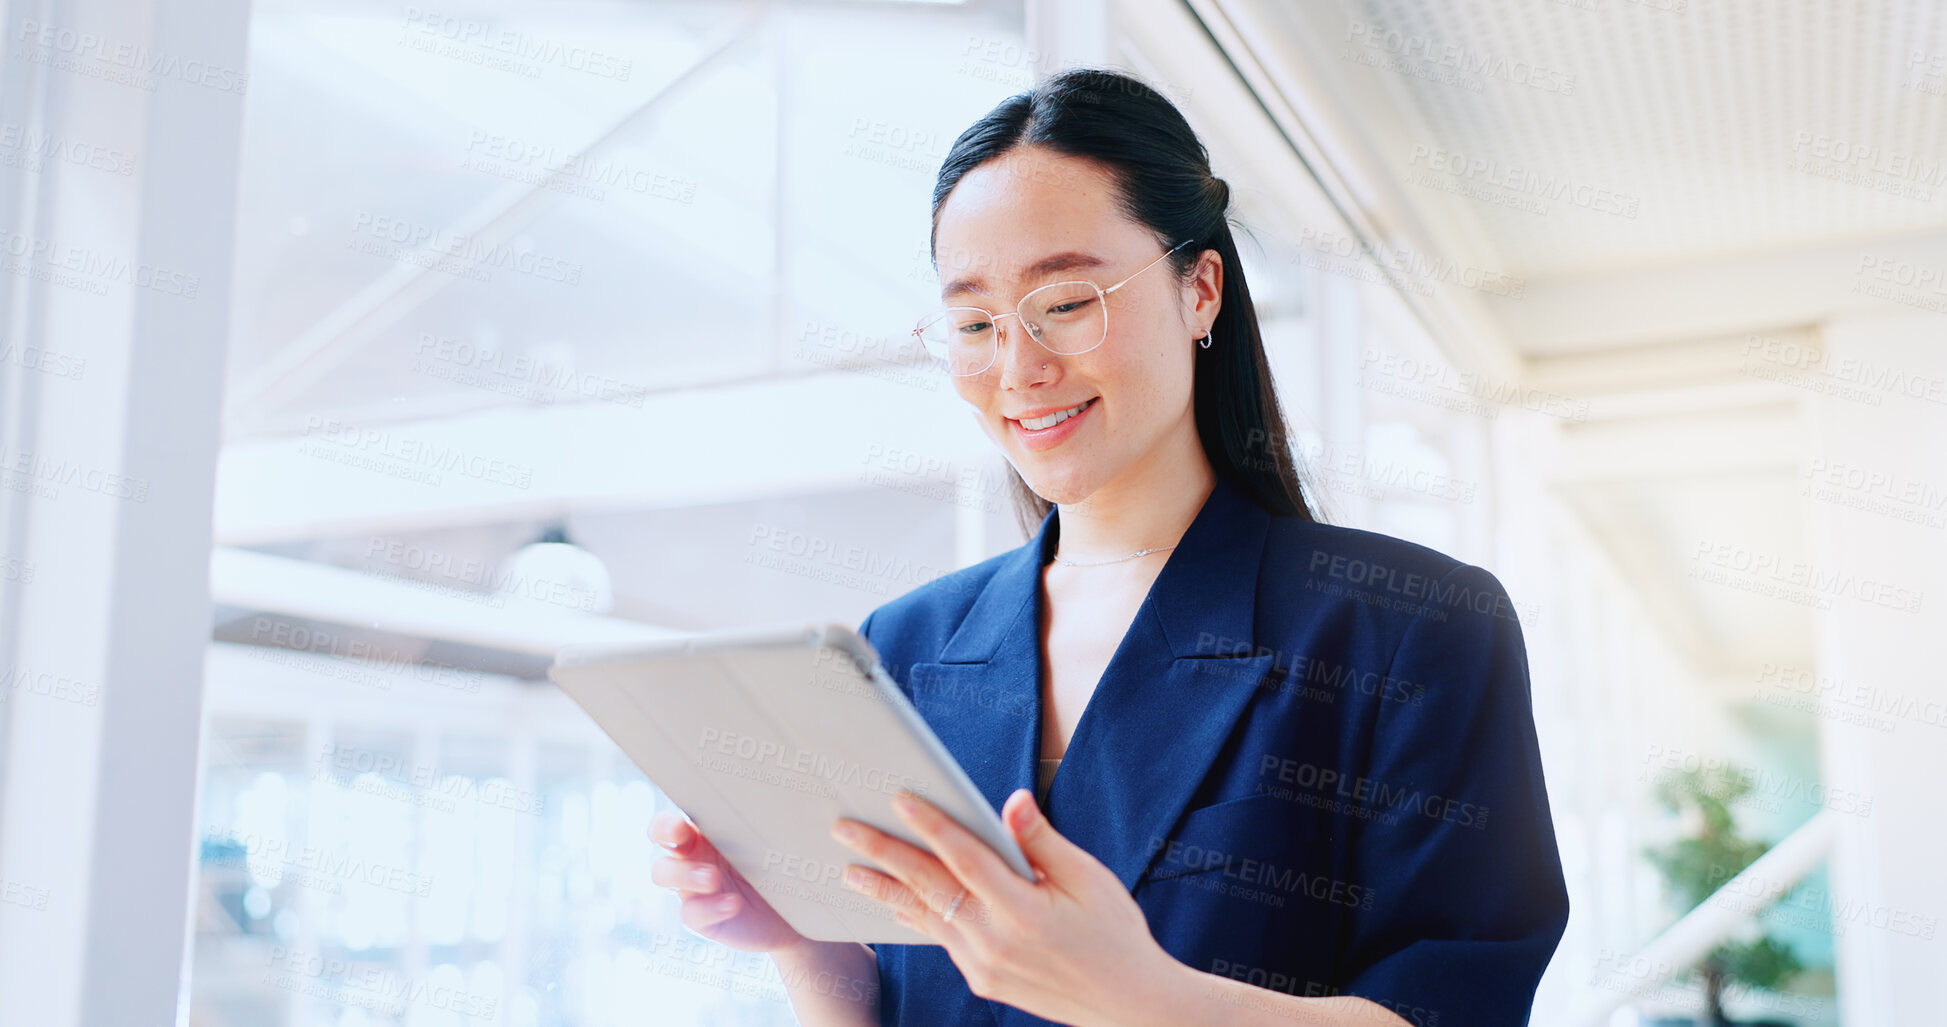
(764, 738)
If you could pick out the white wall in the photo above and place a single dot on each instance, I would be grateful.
(1889, 890)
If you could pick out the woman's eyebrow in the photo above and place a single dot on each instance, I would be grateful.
(1068, 260)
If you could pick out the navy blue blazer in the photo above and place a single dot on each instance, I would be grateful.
(1312, 760)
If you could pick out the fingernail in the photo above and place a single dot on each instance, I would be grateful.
(845, 832)
(905, 804)
(703, 876)
(855, 878)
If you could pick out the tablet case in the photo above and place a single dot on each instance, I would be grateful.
(763, 738)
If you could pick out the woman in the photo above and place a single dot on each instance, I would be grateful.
(1298, 774)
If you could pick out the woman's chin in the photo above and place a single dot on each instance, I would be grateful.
(1058, 486)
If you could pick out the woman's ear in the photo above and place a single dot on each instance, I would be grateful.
(1206, 292)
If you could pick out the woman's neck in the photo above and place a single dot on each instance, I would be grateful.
(1150, 505)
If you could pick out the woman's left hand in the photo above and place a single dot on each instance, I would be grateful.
(1072, 946)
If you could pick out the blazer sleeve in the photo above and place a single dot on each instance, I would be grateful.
(1469, 900)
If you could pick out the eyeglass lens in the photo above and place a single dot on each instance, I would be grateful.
(1066, 317)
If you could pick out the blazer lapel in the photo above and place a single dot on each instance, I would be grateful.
(983, 696)
(1182, 675)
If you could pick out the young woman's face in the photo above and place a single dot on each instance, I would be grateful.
(1031, 218)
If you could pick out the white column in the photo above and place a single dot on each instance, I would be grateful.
(1339, 305)
(1888, 888)
(115, 308)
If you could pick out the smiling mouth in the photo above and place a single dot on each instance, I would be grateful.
(1040, 423)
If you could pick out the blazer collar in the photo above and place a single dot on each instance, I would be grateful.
(1161, 711)
(1204, 596)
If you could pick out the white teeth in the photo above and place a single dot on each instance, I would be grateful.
(1038, 423)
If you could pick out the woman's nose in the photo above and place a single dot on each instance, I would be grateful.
(1019, 355)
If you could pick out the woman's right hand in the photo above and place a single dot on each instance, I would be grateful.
(717, 902)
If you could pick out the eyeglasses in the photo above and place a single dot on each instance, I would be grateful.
(1066, 318)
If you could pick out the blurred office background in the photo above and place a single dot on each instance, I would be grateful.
(357, 355)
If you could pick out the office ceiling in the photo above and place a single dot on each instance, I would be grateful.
(1686, 129)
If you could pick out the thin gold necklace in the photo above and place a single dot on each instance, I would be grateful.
(1099, 563)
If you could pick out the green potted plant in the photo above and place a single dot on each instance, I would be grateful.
(1696, 865)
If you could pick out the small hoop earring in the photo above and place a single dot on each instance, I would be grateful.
(1205, 341)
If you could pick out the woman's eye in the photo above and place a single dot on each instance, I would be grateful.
(975, 329)
(1069, 308)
